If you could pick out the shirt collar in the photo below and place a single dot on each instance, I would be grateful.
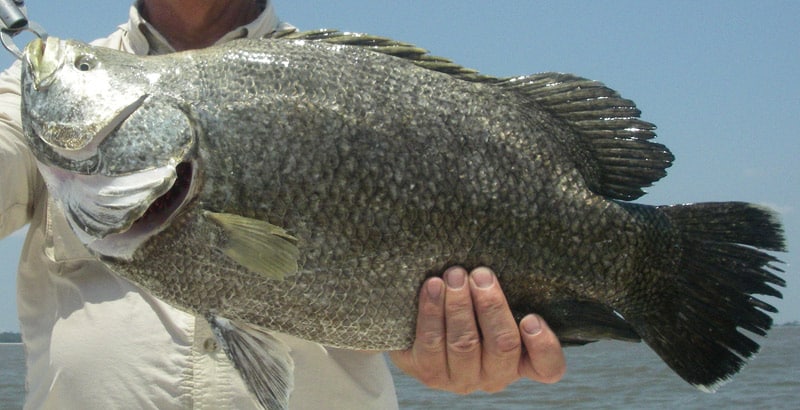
(142, 38)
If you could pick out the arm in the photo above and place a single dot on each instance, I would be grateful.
(17, 166)
(449, 352)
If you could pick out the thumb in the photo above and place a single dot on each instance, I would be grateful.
(543, 360)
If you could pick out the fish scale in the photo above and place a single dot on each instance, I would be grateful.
(320, 178)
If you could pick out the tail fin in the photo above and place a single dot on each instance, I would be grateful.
(706, 295)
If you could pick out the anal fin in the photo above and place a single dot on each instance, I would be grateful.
(578, 322)
(262, 360)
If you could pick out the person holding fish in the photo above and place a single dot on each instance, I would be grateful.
(94, 340)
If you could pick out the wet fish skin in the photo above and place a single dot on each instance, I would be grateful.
(374, 172)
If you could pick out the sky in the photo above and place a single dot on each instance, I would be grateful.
(718, 78)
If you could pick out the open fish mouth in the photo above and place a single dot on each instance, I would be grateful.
(165, 206)
(113, 216)
(154, 218)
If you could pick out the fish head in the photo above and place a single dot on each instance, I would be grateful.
(115, 152)
(74, 95)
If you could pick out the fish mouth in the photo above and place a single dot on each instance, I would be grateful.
(155, 218)
(44, 58)
(167, 205)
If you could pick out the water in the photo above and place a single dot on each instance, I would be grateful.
(616, 375)
(604, 375)
(12, 376)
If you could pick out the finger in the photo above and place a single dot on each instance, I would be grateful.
(501, 343)
(463, 339)
(426, 360)
(544, 361)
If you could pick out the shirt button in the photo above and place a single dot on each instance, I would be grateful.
(210, 345)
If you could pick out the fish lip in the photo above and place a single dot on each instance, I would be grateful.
(33, 55)
(44, 59)
(33, 58)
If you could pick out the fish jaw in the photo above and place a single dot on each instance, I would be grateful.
(114, 215)
(80, 142)
(44, 65)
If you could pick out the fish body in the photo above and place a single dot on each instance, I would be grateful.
(309, 184)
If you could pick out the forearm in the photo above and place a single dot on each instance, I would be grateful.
(18, 175)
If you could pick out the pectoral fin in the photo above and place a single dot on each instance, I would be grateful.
(258, 245)
(262, 360)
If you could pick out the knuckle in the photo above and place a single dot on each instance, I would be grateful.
(507, 342)
(430, 311)
(466, 342)
(431, 341)
(492, 303)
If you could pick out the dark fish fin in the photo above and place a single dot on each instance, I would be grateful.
(263, 361)
(612, 146)
(257, 245)
(394, 48)
(690, 309)
(577, 322)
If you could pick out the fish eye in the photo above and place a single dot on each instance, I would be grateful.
(85, 62)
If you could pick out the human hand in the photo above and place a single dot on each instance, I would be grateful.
(451, 353)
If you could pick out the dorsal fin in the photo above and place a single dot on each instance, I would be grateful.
(417, 55)
(611, 148)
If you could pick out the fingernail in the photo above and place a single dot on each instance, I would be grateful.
(455, 278)
(483, 278)
(531, 325)
(434, 288)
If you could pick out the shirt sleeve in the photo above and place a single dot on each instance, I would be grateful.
(17, 166)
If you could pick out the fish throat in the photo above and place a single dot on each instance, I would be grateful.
(168, 204)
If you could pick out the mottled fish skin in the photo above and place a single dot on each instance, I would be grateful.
(385, 172)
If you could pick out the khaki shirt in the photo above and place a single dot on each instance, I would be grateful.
(96, 341)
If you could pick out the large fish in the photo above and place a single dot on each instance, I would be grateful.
(309, 184)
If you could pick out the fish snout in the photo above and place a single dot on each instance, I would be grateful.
(43, 58)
